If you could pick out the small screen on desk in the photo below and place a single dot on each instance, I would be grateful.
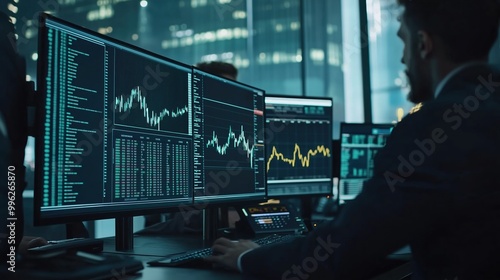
(272, 219)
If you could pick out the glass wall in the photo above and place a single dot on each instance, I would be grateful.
(388, 81)
(352, 46)
(294, 47)
(291, 47)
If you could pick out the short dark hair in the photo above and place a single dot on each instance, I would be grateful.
(218, 68)
(468, 28)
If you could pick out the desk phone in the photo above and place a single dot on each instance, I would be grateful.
(269, 219)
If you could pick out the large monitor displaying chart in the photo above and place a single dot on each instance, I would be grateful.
(299, 145)
(115, 133)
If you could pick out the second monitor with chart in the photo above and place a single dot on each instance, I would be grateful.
(299, 145)
(228, 141)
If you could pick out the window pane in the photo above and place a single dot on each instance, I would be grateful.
(387, 72)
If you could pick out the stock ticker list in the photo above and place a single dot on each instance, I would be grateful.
(150, 166)
(78, 103)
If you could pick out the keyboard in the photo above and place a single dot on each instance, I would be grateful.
(195, 258)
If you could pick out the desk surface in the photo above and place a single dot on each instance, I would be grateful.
(151, 273)
(148, 248)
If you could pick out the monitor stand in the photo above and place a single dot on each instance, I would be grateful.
(76, 230)
(210, 223)
(306, 211)
(124, 234)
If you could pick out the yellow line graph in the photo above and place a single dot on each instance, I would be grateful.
(304, 159)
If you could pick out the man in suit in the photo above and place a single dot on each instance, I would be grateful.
(13, 138)
(436, 184)
(13, 110)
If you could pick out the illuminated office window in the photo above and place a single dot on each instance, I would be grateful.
(388, 81)
(264, 39)
(352, 97)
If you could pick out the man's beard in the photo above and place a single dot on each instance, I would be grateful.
(419, 91)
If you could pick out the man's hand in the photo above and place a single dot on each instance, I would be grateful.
(228, 252)
(30, 242)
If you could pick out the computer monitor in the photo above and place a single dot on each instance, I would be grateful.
(228, 141)
(115, 134)
(359, 144)
(299, 146)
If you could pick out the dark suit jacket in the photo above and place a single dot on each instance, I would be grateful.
(436, 186)
(4, 197)
(14, 111)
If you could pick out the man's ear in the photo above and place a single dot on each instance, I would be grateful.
(425, 44)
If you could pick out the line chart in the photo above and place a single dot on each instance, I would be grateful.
(153, 118)
(304, 159)
(238, 141)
